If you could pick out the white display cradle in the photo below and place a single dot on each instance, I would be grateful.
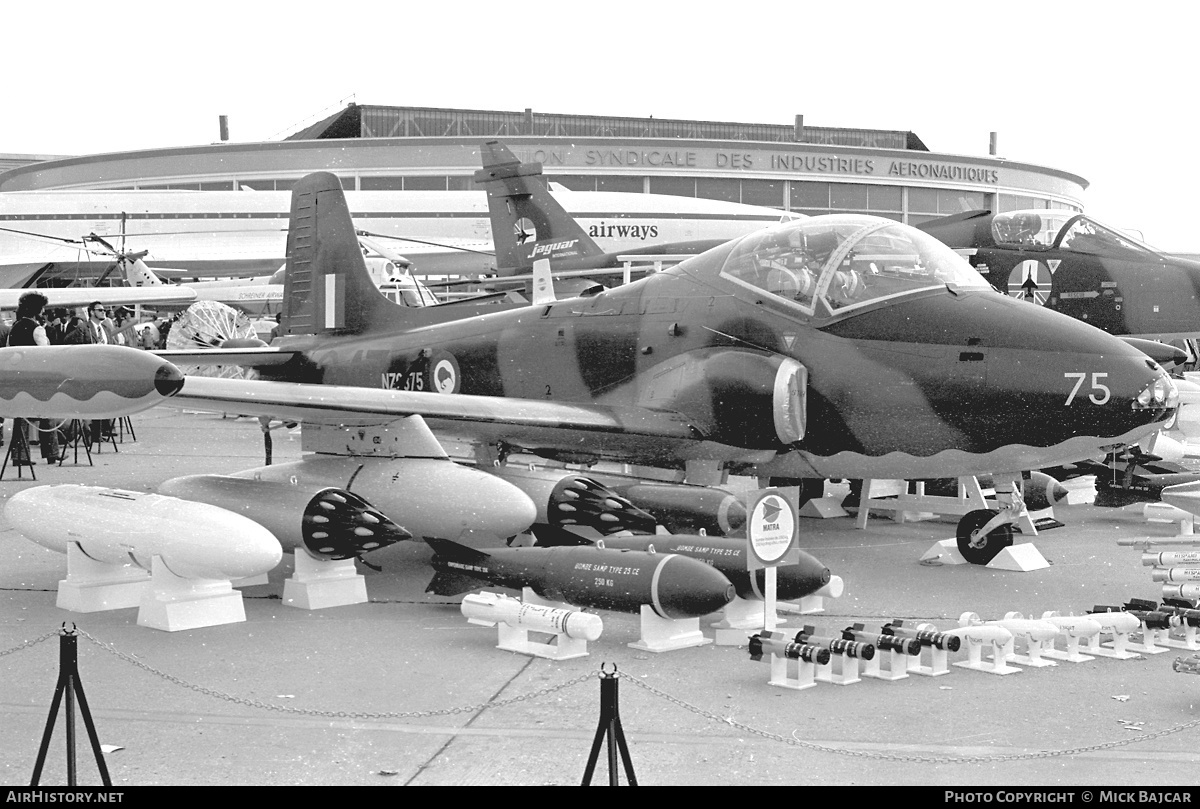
(92, 586)
(668, 634)
(174, 603)
(316, 584)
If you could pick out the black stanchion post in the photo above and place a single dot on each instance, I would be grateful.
(68, 683)
(610, 728)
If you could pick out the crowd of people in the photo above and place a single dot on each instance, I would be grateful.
(34, 325)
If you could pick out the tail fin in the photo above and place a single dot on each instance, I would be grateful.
(327, 288)
(137, 274)
(451, 582)
(527, 222)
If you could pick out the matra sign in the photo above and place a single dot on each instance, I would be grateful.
(771, 527)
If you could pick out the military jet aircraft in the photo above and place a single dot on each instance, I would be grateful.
(830, 347)
(1069, 262)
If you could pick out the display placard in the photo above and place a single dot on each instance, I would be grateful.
(773, 527)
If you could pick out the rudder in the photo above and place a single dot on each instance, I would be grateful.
(326, 288)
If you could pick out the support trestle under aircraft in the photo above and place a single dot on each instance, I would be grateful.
(832, 347)
(1069, 262)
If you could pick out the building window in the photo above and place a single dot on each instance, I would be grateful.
(460, 184)
(922, 200)
(628, 185)
(806, 196)
(1014, 202)
(425, 183)
(675, 186)
(848, 197)
(951, 202)
(767, 193)
(885, 198)
(381, 183)
(722, 188)
(575, 182)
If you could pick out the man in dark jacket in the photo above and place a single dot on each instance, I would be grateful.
(27, 331)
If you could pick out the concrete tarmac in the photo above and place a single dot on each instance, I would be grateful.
(401, 690)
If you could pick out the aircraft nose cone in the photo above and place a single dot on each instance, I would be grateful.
(687, 588)
(168, 380)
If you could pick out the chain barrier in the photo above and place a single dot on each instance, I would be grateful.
(795, 742)
(789, 740)
(30, 643)
(270, 706)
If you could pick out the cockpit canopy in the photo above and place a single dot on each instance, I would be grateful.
(830, 264)
(1066, 230)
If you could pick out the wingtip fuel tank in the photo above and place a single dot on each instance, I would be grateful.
(194, 540)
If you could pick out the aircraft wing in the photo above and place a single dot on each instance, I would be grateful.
(227, 356)
(109, 296)
(526, 422)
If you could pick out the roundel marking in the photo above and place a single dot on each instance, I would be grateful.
(444, 375)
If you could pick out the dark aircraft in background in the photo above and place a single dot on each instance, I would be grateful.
(528, 223)
(830, 347)
(1129, 475)
(1071, 263)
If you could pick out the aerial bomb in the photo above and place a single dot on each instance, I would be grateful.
(728, 555)
(777, 644)
(114, 526)
(1184, 610)
(686, 508)
(926, 634)
(88, 381)
(1184, 592)
(1152, 618)
(494, 608)
(327, 523)
(1171, 558)
(673, 586)
(569, 498)
(1175, 575)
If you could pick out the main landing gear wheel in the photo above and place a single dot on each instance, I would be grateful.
(980, 549)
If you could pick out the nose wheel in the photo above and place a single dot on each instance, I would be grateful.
(982, 534)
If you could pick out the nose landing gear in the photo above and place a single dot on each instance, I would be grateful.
(983, 533)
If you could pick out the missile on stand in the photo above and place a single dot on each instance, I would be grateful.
(849, 648)
(494, 608)
(1175, 575)
(1150, 617)
(1171, 559)
(1182, 592)
(673, 586)
(1185, 610)
(885, 642)
(777, 644)
(926, 634)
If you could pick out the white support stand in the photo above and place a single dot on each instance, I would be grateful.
(1118, 625)
(667, 634)
(317, 584)
(1151, 642)
(1165, 512)
(92, 586)
(804, 678)
(945, 552)
(1022, 558)
(1187, 641)
(975, 638)
(823, 508)
(740, 618)
(173, 603)
(896, 667)
(252, 581)
(840, 670)
(1073, 629)
(556, 646)
(939, 662)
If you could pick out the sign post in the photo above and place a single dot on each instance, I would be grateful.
(773, 537)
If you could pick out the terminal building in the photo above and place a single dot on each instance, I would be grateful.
(812, 170)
